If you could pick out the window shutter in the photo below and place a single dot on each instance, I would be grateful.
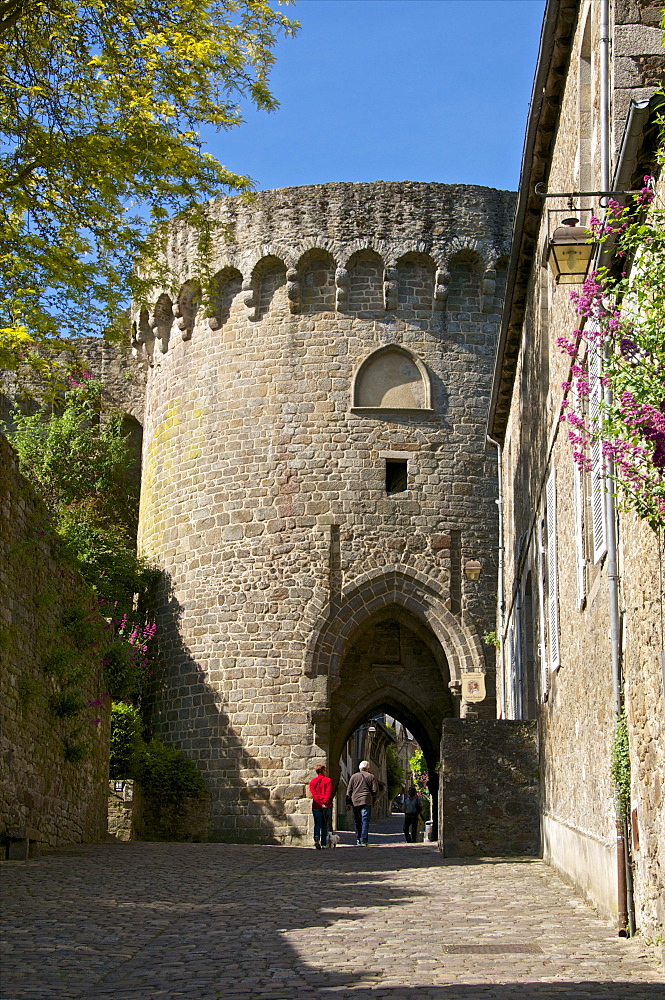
(552, 588)
(597, 463)
(579, 536)
(513, 671)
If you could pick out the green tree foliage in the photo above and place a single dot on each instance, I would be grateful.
(164, 771)
(394, 772)
(101, 109)
(126, 739)
(159, 769)
(418, 766)
(79, 461)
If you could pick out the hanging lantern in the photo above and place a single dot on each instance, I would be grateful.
(570, 251)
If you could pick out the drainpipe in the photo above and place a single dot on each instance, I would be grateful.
(499, 589)
(610, 510)
(518, 654)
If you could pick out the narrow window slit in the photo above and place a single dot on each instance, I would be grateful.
(396, 478)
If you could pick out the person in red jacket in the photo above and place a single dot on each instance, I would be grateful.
(321, 790)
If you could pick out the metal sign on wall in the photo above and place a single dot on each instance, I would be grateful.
(473, 686)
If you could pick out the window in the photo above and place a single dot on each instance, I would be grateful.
(396, 476)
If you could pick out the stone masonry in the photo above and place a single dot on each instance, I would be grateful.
(316, 478)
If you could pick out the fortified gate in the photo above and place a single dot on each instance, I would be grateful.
(317, 487)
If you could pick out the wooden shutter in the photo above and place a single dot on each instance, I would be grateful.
(579, 536)
(552, 587)
(597, 463)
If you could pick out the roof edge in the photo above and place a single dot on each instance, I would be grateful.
(556, 41)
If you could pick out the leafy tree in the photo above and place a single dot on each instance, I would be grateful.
(418, 766)
(101, 107)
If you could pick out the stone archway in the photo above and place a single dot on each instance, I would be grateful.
(393, 663)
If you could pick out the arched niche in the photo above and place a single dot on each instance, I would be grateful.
(316, 269)
(464, 295)
(224, 287)
(415, 284)
(269, 282)
(365, 269)
(392, 379)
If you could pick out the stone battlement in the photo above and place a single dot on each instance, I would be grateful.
(337, 247)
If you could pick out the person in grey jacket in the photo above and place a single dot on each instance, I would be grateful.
(361, 793)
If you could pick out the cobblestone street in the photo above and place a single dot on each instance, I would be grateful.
(139, 920)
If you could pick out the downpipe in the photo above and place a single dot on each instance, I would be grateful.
(501, 603)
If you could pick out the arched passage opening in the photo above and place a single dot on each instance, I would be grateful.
(392, 663)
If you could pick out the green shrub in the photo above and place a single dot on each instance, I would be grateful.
(126, 739)
(620, 765)
(66, 703)
(162, 770)
(74, 749)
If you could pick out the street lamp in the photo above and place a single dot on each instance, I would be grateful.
(472, 570)
(569, 252)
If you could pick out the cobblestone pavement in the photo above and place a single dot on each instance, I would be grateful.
(391, 922)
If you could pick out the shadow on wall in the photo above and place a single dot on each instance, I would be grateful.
(187, 712)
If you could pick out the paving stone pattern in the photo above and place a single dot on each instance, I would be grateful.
(394, 922)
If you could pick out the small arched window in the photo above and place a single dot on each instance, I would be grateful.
(391, 379)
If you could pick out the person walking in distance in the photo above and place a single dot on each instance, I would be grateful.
(413, 808)
(361, 793)
(321, 790)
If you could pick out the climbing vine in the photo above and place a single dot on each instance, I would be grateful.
(620, 765)
(624, 317)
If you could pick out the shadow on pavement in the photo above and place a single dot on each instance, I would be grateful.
(230, 922)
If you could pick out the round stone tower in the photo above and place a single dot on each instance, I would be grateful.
(316, 483)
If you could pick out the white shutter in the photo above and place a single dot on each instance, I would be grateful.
(597, 463)
(552, 588)
(513, 671)
(579, 536)
(542, 649)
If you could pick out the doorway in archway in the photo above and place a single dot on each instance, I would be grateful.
(394, 664)
(395, 759)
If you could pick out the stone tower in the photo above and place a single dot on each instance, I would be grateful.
(316, 480)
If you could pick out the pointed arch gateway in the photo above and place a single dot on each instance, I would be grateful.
(389, 644)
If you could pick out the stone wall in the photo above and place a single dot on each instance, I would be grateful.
(556, 638)
(43, 784)
(135, 815)
(490, 788)
(264, 495)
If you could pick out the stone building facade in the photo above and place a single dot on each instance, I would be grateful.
(556, 662)
(316, 480)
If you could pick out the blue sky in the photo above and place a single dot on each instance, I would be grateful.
(430, 90)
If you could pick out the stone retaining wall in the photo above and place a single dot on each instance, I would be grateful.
(489, 793)
(42, 783)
